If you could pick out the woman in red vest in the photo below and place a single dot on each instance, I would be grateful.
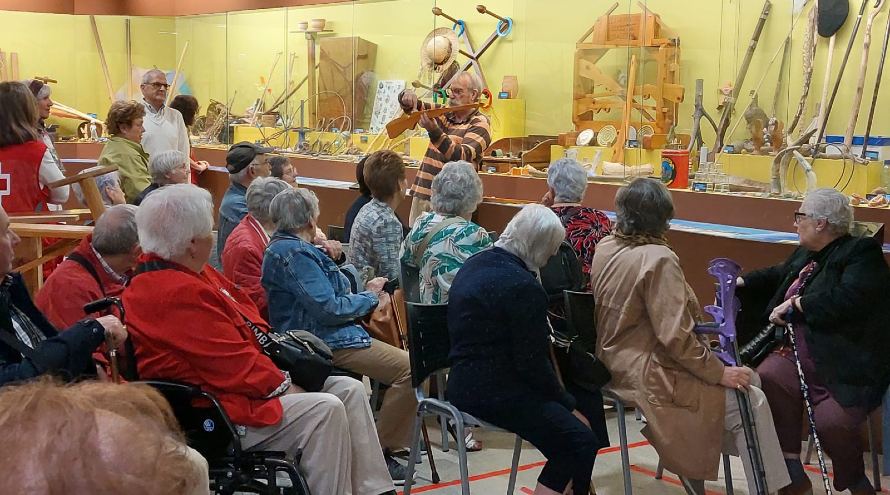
(26, 164)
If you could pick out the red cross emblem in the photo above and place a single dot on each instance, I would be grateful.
(5, 184)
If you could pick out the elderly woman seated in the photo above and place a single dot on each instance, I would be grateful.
(645, 316)
(306, 290)
(190, 324)
(123, 148)
(442, 240)
(167, 167)
(242, 258)
(283, 169)
(500, 362)
(832, 291)
(585, 226)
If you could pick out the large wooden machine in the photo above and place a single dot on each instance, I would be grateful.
(654, 99)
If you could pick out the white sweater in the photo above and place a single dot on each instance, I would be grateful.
(164, 130)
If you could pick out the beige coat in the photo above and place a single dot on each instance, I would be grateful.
(645, 313)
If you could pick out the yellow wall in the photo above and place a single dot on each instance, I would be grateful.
(229, 53)
(61, 47)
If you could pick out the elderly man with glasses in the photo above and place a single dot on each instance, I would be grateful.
(164, 128)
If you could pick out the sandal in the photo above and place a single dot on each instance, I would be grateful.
(470, 443)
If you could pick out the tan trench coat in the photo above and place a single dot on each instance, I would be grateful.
(645, 313)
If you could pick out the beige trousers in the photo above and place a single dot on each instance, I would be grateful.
(418, 206)
(335, 430)
(388, 365)
(734, 442)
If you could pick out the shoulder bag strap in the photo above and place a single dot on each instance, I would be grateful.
(80, 260)
(19, 346)
(425, 243)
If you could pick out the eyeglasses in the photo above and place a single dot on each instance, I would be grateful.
(157, 85)
(798, 216)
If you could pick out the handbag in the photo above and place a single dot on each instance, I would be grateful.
(382, 323)
(765, 342)
(304, 356)
(562, 272)
(582, 366)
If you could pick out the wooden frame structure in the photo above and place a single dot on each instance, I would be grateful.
(595, 91)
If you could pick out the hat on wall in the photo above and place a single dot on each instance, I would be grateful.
(439, 49)
(241, 154)
(831, 15)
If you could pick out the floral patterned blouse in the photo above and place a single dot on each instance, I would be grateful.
(585, 227)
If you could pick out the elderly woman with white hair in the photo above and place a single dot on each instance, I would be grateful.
(585, 226)
(500, 359)
(833, 291)
(167, 167)
(442, 240)
(646, 314)
(206, 336)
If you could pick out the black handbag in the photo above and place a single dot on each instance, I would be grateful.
(579, 364)
(765, 342)
(562, 272)
(304, 356)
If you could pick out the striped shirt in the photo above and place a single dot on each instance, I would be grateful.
(456, 141)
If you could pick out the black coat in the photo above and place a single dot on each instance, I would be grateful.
(846, 310)
(67, 354)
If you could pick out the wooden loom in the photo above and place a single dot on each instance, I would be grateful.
(595, 91)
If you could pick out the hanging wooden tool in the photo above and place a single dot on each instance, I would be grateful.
(4, 69)
(863, 67)
(697, 141)
(102, 60)
(621, 140)
(260, 102)
(840, 73)
(783, 67)
(809, 57)
(172, 91)
(14, 66)
(398, 125)
(503, 29)
(874, 94)
(726, 115)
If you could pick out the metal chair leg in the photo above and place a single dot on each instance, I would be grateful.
(415, 451)
(462, 458)
(514, 466)
(434, 473)
(875, 462)
(443, 419)
(809, 455)
(622, 439)
(659, 471)
(727, 473)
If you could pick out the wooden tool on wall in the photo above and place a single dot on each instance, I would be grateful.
(401, 124)
(102, 60)
(4, 69)
(172, 91)
(621, 140)
(14, 66)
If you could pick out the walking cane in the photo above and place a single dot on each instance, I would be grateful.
(724, 313)
(104, 304)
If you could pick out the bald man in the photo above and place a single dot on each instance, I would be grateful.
(164, 128)
(99, 267)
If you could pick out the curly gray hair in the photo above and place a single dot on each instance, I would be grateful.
(568, 179)
(456, 189)
(260, 194)
(644, 207)
(830, 205)
(292, 210)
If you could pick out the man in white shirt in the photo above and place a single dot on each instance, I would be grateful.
(164, 127)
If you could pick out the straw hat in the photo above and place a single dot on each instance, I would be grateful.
(439, 49)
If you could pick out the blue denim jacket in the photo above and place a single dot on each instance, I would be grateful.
(306, 291)
(232, 210)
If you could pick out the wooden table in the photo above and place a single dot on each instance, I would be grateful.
(31, 248)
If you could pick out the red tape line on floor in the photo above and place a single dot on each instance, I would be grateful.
(666, 479)
(503, 472)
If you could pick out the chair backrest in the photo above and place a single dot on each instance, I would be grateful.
(580, 319)
(208, 429)
(428, 340)
(409, 281)
(336, 233)
(562, 272)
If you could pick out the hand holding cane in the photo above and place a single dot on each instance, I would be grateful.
(110, 323)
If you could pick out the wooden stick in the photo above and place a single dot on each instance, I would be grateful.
(129, 44)
(863, 68)
(621, 140)
(262, 98)
(77, 113)
(401, 124)
(809, 56)
(176, 74)
(874, 95)
(14, 66)
(4, 74)
(102, 60)
(608, 12)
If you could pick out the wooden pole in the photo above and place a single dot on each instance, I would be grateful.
(4, 71)
(874, 95)
(102, 60)
(172, 91)
(621, 141)
(14, 66)
(129, 43)
(313, 85)
(809, 57)
(860, 82)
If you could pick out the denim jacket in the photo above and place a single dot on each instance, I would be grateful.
(232, 210)
(306, 291)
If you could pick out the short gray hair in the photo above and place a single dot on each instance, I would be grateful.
(293, 209)
(260, 194)
(644, 207)
(568, 179)
(151, 72)
(115, 231)
(534, 235)
(456, 189)
(161, 164)
(169, 218)
(830, 205)
(473, 81)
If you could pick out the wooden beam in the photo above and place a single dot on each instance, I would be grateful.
(102, 60)
(30, 230)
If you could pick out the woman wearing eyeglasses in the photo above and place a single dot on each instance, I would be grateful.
(124, 123)
(833, 290)
(164, 126)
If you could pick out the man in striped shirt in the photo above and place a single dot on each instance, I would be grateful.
(462, 135)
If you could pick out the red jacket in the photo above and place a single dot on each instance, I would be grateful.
(242, 260)
(70, 287)
(190, 327)
(20, 188)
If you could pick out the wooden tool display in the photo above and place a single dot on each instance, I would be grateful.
(809, 57)
(877, 89)
(621, 140)
(501, 30)
(594, 91)
(398, 125)
(863, 67)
